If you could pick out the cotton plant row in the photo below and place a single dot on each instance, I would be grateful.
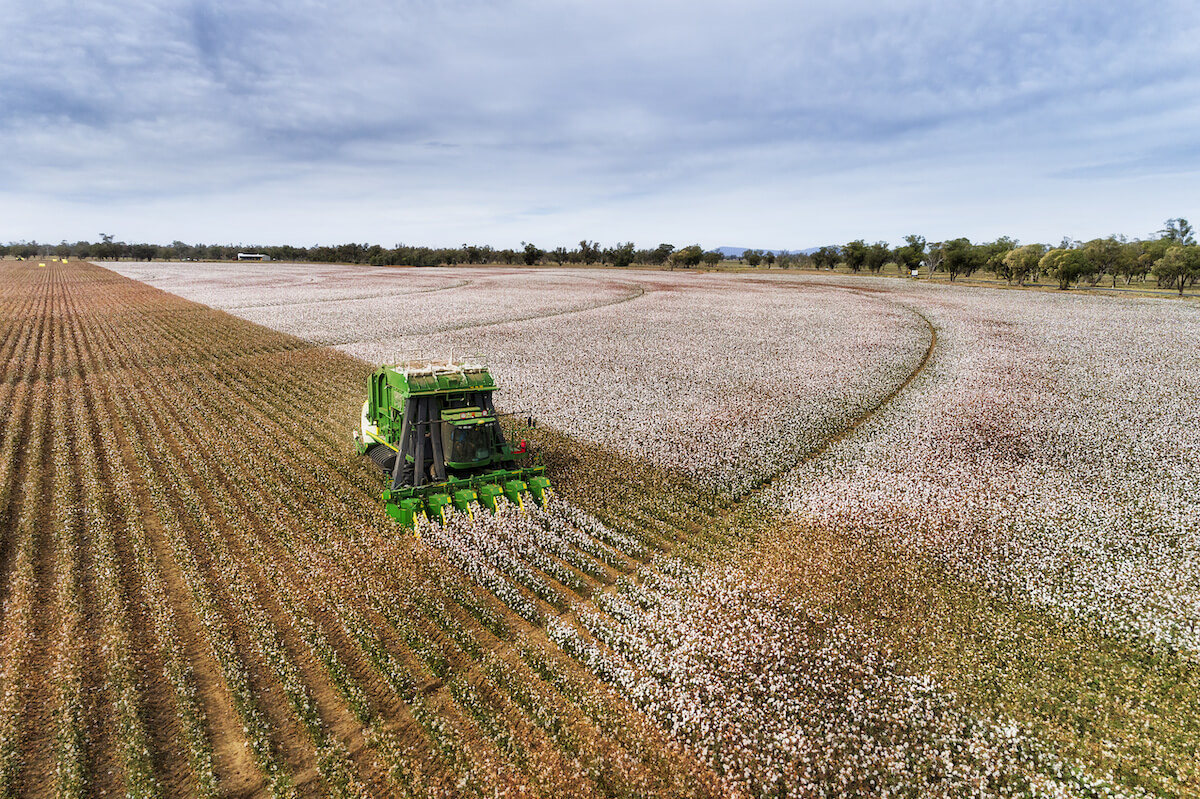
(331, 757)
(207, 607)
(16, 634)
(67, 670)
(1051, 448)
(429, 721)
(780, 697)
(449, 742)
(332, 760)
(152, 453)
(522, 549)
(517, 552)
(294, 592)
(287, 581)
(177, 671)
(237, 582)
(23, 427)
(122, 681)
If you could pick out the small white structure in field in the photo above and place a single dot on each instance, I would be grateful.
(253, 256)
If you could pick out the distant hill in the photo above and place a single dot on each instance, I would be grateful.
(736, 252)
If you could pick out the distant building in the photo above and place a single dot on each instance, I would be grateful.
(253, 256)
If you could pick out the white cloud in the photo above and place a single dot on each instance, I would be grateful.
(502, 121)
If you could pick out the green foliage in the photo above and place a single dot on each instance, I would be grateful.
(532, 254)
(621, 255)
(688, 256)
(826, 257)
(659, 255)
(876, 256)
(1109, 256)
(1066, 265)
(855, 255)
(1021, 262)
(1179, 266)
(589, 251)
(1178, 231)
(991, 255)
(909, 256)
(961, 257)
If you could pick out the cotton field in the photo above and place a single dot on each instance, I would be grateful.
(726, 379)
(1010, 448)
(1053, 445)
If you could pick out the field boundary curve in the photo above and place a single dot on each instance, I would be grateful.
(353, 298)
(756, 488)
(638, 291)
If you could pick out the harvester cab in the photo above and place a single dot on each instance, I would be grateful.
(433, 430)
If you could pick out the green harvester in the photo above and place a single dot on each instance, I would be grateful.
(431, 426)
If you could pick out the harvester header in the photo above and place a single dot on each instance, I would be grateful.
(432, 427)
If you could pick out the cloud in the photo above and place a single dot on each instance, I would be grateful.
(576, 109)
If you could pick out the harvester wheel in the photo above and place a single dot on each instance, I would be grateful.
(384, 457)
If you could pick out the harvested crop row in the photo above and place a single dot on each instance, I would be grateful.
(252, 628)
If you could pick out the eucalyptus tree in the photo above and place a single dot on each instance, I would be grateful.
(1066, 265)
(826, 257)
(961, 257)
(876, 256)
(1179, 266)
(1021, 262)
(1178, 231)
(910, 256)
(855, 255)
(1109, 256)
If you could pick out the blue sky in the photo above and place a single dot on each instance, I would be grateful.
(763, 124)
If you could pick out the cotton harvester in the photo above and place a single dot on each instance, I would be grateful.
(432, 427)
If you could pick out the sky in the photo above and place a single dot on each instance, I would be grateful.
(774, 124)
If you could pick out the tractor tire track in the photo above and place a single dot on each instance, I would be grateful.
(636, 291)
(350, 298)
(764, 484)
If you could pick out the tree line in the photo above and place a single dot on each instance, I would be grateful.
(1173, 257)
(587, 253)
